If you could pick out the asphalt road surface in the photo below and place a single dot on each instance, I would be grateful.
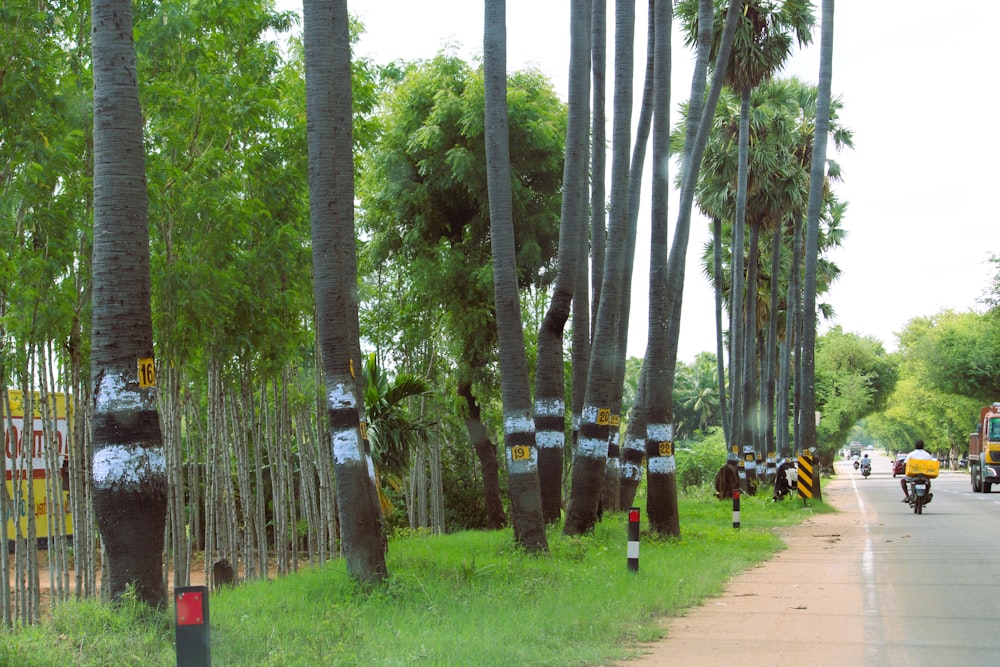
(931, 589)
(873, 584)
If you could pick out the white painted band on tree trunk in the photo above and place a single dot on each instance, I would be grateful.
(662, 465)
(595, 448)
(660, 432)
(635, 444)
(346, 446)
(576, 421)
(631, 471)
(518, 424)
(341, 397)
(550, 408)
(127, 466)
(590, 414)
(113, 396)
(550, 439)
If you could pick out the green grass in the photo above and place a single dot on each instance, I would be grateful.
(461, 599)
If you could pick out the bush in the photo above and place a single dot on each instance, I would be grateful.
(699, 459)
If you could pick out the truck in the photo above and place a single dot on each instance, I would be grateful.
(984, 450)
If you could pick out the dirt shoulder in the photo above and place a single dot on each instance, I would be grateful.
(805, 606)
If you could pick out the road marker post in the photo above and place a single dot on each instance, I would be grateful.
(736, 509)
(191, 630)
(633, 539)
(805, 482)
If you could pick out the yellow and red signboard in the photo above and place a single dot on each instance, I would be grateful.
(26, 461)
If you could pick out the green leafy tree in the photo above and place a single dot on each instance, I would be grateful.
(393, 432)
(425, 206)
(854, 378)
(696, 396)
(961, 353)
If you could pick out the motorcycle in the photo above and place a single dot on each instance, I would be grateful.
(857, 464)
(920, 493)
(866, 468)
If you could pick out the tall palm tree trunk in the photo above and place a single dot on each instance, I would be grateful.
(661, 483)
(614, 471)
(550, 387)
(128, 464)
(591, 452)
(519, 428)
(331, 204)
(817, 178)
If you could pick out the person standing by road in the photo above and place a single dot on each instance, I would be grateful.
(918, 453)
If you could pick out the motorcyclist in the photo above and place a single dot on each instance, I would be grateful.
(866, 463)
(918, 453)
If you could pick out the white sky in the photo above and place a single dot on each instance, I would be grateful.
(916, 93)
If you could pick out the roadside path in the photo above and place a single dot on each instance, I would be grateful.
(806, 606)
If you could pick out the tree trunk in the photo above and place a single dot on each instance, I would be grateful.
(550, 385)
(128, 467)
(720, 349)
(591, 452)
(331, 204)
(487, 453)
(770, 380)
(661, 483)
(613, 467)
(519, 428)
(817, 178)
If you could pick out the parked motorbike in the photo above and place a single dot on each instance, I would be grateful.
(866, 468)
(920, 493)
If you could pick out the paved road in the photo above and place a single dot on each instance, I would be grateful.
(931, 593)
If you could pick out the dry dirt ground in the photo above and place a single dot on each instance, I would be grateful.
(803, 607)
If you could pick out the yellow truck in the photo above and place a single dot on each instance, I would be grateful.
(27, 462)
(984, 450)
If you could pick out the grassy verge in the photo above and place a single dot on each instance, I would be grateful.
(461, 599)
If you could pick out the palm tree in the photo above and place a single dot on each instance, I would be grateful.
(662, 480)
(782, 113)
(519, 429)
(591, 452)
(817, 179)
(331, 203)
(664, 515)
(128, 464)
(550, 388)
(763, 42)
(392, 433)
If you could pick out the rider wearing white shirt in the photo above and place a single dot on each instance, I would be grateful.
(918, 453)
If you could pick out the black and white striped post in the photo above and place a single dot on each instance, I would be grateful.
(633, 539)
(736, 508)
